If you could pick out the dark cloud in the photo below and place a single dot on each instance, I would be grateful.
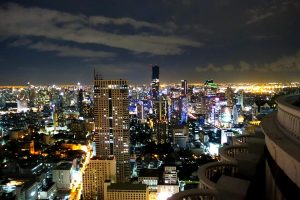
(51, 24)
(228, 40)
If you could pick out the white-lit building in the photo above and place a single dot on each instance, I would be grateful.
(149, 177)
(180, 137)
(20, 189)
(48, 193)
(165, 191)
(170, 175)
(61, 175)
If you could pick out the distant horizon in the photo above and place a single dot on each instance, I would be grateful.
(137, 84)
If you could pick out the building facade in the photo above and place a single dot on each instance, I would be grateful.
(62, 176)
(115, 191)
(97, 171)
(111, 123)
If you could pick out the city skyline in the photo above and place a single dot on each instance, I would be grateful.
(229, 41)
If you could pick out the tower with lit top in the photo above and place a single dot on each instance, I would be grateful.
(111, 123)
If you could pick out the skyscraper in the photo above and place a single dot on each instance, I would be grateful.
(111, 123)
(79, 102)
(155, 82)
(183, 87)
(229, 94)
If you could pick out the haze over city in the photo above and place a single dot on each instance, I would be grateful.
(47, 42)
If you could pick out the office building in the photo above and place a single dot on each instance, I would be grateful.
(111, 123)
(160, 109)
(155, 82)
(97, 171)
(180, 136)
(210, 88)
(170, 175)
(80, 102)
(184, 87)
(229, 94)
(149, 177)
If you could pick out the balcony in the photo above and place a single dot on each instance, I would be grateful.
(229, 153)
(232, 177)
(288, 117)
(210, 173)
(241, 139)
(282, 137)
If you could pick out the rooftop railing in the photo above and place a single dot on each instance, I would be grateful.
(210, 173)
(288, 116)
(194, 194)
(228, 153)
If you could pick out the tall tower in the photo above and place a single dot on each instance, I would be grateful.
(155, 82)
(79, 102)
(184, 87)
(111, 123)
(240, 98)
(229, 94)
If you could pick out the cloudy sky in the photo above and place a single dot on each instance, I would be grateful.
(62, 41)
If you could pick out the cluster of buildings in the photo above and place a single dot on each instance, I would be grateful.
(113, 140)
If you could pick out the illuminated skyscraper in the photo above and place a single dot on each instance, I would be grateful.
(111, 123)
(79, 102)
(155, 82)
(210, 88)
(183, 87)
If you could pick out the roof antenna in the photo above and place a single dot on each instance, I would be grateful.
(97, 76)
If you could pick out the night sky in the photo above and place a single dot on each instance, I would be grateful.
(61, 42)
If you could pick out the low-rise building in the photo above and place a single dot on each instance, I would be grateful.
(126, 191)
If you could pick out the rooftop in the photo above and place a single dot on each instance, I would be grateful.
(103, 158)
(126, 186)
(149, 173)
(64, 166)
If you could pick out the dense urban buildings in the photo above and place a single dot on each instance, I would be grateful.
(66, 141)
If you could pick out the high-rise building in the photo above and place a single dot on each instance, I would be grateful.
(210, 88)
(240, 99)
(80, 102)
(111, 123)
(184, 87)
(97, 171)
(155, 82)
(160, 108)
(229, 94)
